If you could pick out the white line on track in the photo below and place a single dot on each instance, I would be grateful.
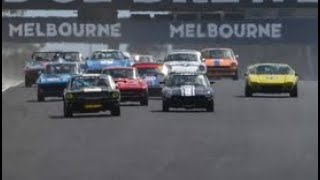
(14, 85)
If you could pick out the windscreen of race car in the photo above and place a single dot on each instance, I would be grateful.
(149, 72)
(120, 73)
(270, 69)
(182, 57)
(112, 55)
(218, 54)
(61, 69)
(180, 80)
(88, 81)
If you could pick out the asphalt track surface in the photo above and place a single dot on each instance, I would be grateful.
(261, 138)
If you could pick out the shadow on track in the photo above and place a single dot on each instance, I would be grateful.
(46, 101)
(180, 111)
(155, 98)
(263, 96)
(79, 116)
(129, 105)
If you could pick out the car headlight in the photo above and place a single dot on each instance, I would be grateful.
(201, 68)
(115, 95)
(69, 96)
(207, 93)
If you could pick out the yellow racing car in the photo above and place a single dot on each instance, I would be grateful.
(271, 78)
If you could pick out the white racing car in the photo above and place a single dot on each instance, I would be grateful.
(184, 61)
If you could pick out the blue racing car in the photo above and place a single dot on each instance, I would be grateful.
(106, 58)
(54, 80)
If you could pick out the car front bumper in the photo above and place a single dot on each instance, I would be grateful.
(271, 88)
(92, 105)
(213, 72)
(188, 102)
(132, 95)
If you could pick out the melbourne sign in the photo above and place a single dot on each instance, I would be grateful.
(70, 30)
(153, 4)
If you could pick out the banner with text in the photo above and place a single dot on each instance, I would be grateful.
(70, 30)
(155, 5)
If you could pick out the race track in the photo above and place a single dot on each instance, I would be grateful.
(261, 138)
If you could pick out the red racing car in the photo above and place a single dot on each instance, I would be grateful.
(152, 75)
(131, 86)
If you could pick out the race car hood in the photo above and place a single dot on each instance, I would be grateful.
(182, 63)
(100, 64)
(35, 65)
(184, 66)
(272, 79)
(188, 90)
(91, 89)
(221, 62)
(130, 84)
(54, 78)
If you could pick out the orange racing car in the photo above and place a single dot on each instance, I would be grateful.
(220, 62)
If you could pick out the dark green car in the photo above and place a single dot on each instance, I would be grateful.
(90, 93)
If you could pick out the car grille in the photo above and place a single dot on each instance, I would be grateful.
(130, 93)
(91, 95)
(188, 100)
(270, 88)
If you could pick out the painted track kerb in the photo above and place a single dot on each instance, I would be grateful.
(14, 85)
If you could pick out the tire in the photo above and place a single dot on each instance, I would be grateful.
(144, 101)
(294, 92)
(165, 106)
(67, 111)
(236, 76)
(27, 82)
(40, 97)
(210, 107)
(115, 111)
(248, 91)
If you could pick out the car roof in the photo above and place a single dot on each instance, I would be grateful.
(90, 75)
(185, 52)
(107, 50)
(187, 74)
(272, 64)
(118, 68)
(65, 62)
(147, 64)
(208, 49)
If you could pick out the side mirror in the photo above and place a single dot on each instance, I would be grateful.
(296, 74)
(86, 59)
(246, 74)
(237, 56)
(212, 82)
(117, 86)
